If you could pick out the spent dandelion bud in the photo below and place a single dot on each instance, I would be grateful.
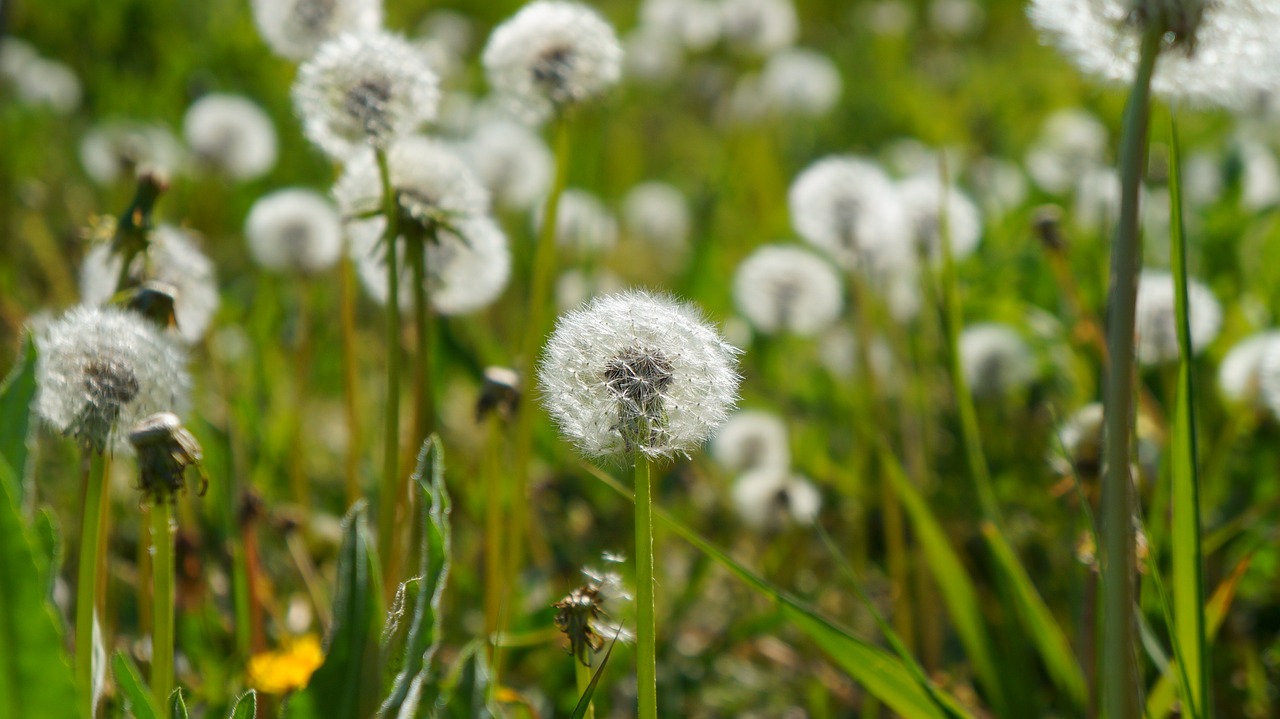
(657, 213)
(1156, 324)
(551, 55)
(165, 450)
(364, 90)
(100, 370)
(782, 288)
(294, 230)
(848, 208)
(500, 393)
(1241, 379)
(511, 160)
(582, 614)
(296, 28)
(800, 82)
(770, 498)
(636, 372)
(1046, 222)
(995, 359)
(115, 150)
(759, 27)
(231, 134)
(750, 440)
(583, 223)
(925, 200)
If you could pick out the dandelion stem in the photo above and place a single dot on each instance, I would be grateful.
(162, 601)
(347, 318)
(1120, 690)
(646, 627)
(95, 480)
(391, 447)
(424, 419)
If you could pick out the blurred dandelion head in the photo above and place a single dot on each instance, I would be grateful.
(582, 617)
(114, 150)
(550, 55)
(801, 83)
(511, 160)
(751, 439)
(583, 223)
(758, 27)
(995, 359)
(433, 185)
(231, 134)
(635, 372)
(1241, 379)
(657, 213)
(770, 498)
(296, 28)
(1156, 320)
(926, 200)
(848, 208)
(294, 230)
(100, 370)
(165, 451)
(288, 668)
(364, 90)
(782, 288)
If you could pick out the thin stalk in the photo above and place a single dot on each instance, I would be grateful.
(646, 627)
(300, 487)
(388, 497)
(424, 419)
(582, 674)
(1120, 691)
(494, 507)
(94, 472)
(162, 601)
(347, 319)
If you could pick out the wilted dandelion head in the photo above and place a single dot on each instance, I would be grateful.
(582, 615)
(232, 134)
(112, 150)
(635, 372)
(782, 288)
(364, 90)
(848, 207)
(1156, 320)
(432, 184)
(166, 450)
(550, 55)
(1220, 53)
(995, 360)
(1240, 376)
(102, 369)
(800, 82)
(294, 230)
(296, 28)
(751, 439)
(758, 27)
(583, 223)
(511, 160)
(657, 213)
(770, 498)
(925, 199)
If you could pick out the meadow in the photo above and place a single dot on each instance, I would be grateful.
(748, 358)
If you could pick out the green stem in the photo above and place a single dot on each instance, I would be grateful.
(388, 496)
(424, 396)
(162, 601)
(1118, 665)
(646, 627)
(347, 319)
(95, 480)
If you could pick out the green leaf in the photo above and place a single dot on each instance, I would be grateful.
(464, 693)
(433, 573)
(137, 698)
(177, 706)
(345, 685)
(16, 393)
(48, 542)
(34, 670)
(584, 702)
(246, 706)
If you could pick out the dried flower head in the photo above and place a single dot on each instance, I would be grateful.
(296, 28)
(100, 369)
(995, 360)
(1241, 379)
(925, 200)
(550, 55)
(635, 372)
(800, 82)
(165, 451)
(783, 288)
(232, 134)
(583, 223)
(751, 439)
(114, 150)
(511, 160)
(769, 498)
(848, 208)
(1156, 319)
(364, 90)
(500, 393)
(294, 230)
(758, 27)
(582, 617)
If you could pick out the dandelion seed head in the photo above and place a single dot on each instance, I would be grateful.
(294, 230)
(657, 213)
(511, 160)
(924, 199)
(1156, 321)
(995, 359)
(50, 83)
(1000, 185)
(759, 27)
(552, 54)
(651, 56)
(114, 150)
(432, 183)
(295, 29)
(635, 372)
(1240, 376)
(848, 208)
(782, 288)
(364, 90)
(800, 82)
(770, 498)
(750, 440)
(101, 370)
(1071, 142)
(583, 223)
(1259, 176)
(232, 134)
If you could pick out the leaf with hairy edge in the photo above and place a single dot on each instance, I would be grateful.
(345, 685)
(137, 697)
(246, 706)
(34, 670)
(16, 393)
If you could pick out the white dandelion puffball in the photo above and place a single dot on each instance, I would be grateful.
(751, 439)
(695, 24)
(511, 160)
(364, 90)
(231, 133)
(995, 360)
(100, 370)
(1071, 143)
(1240, 376)
(768, 499)
(294, 230)
(1260, 176)
(848, 208)
(800, 82)
(922, 200)
(552, 54)
(583, 223)
(174, 258)
(783, 288)
(431, 182)
(1156, 321)
(999, 185)
(759, 27)
(657, 213)
(467, 265)
(1080, 437)
(1231, 62)
(50, 83)
(296, 28)
(650, 55)
(114, 150)
(635, 372)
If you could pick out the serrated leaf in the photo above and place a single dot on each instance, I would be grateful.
(137, 697)
(246, 706)
(177, 705)
(16, 393)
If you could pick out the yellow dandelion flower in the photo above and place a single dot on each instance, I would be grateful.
(287, 668)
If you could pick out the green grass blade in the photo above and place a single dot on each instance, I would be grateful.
(137, 696)
(16, 393)
(1185, 537)
(177, 705)
(246, 706)
(584, 702)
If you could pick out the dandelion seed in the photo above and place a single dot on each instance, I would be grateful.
(295, 29)
(550, 55)
(847, 207)
(995, 359)
(801, 83)
(923, 201)
(583, 223)
(364, 91)
(511, 160)
(750, 440)
(768, 499)
(1156, 324)
(635, 372)
(112, 150)
(1241, 377)
(782, 288)
(103, 369)
(657, 213)
(759, 27)
(294, 230)
(232, 134)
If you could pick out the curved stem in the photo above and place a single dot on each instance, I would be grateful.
(646, 625)
(162, 601)
(94, 473)
(391, 436)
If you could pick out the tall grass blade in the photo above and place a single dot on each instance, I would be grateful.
(138, 699)
(16, 393)
(584, 702)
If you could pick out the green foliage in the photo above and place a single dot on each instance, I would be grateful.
(138, 699)
(16, 394)
(246, 707)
